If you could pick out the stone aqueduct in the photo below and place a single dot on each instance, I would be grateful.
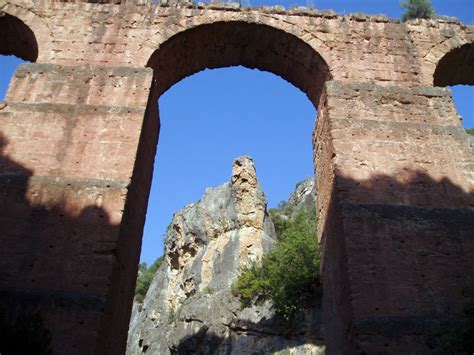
(79, 129)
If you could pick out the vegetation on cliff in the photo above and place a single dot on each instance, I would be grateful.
(470, 131)
(417, 9)
(289, 274)
(145, 276)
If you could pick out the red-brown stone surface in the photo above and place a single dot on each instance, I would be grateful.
(395, 215)
(78, 134)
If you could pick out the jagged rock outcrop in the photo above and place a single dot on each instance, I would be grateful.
(189, 307)
(304, 196)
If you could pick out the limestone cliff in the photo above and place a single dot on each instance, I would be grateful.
(189, 307)
(304, 196)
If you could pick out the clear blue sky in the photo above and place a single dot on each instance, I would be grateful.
(210, 118)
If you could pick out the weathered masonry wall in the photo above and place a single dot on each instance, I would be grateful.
(355, 47)
(68, 154)
(396, 218)
(78, 134)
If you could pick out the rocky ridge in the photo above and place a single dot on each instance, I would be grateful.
(189, 307)
(304, 196)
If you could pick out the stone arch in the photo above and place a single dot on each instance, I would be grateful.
(225, 44)
(456, 67)
(17, 38)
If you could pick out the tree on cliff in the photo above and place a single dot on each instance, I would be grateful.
(289, 274)
(417, 9)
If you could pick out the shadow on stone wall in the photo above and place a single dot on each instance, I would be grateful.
(396, 257)
(55, 262)
(269, 335)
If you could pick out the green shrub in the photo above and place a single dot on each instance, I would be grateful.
(208, 290)
(145, 277)
(417, 9)
(470, 131)
(252, 286)
(289, 274)
(293, 266)
(283, 206)
(280, 220)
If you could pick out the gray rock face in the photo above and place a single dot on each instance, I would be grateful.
(189, 308)
(471, 141)
(304, 196)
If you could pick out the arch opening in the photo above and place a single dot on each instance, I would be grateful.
(255, 46)
(456, 67)
(210, 118)
(9, 65)
(18, 45)
(223, 45)
(456, 70)
(17, 38)
(232, 44)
